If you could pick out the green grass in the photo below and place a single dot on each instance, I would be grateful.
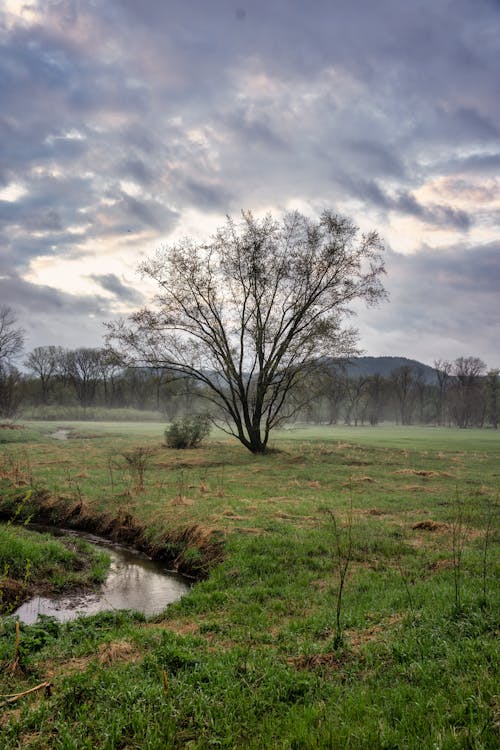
(252, 655)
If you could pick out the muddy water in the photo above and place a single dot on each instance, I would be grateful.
(134, 582)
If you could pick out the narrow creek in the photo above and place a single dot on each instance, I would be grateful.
(134, 582)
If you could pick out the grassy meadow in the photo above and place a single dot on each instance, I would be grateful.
(264, 652)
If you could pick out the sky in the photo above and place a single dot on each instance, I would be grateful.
(128, 125)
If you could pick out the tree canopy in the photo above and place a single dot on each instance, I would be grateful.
(250, 312)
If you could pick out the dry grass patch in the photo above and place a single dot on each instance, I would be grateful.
(233, 516)
(10, 715)
(424, 473)
(438, 565)
(359, 638)
(326, 662)
(417, 488)
(116, 651)
(359, 480)
(249, 530)
(181, 627)
(53, 669)
(180, 500)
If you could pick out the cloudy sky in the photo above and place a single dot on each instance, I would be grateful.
(125, 124)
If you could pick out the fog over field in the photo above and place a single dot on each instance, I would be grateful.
(126, 125)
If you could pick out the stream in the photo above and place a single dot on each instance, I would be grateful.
(134, 581)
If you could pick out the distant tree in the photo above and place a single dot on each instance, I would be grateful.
(466, 391)
(11, 335)
(111, 369)
(82, 368)
(376, 387)
(248, 314)
(443, 370)
(492, 388)
(11, 393)
(355, 399)
(333, 388)
(45, 363)
(420, 388)
(11, 344)
(403, 383)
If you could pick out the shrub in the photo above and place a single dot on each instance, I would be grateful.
(187, 431)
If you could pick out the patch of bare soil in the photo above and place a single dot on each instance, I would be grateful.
(430, 525)
(8, 426)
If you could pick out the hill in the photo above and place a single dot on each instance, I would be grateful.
(365, 366)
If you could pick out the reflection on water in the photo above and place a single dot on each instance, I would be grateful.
(133, 582)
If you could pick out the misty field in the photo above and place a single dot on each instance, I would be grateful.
(264, 652)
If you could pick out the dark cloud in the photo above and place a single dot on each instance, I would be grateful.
(50, 316)
(111, 283)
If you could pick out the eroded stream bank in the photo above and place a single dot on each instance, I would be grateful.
(191, 551)
(134, 582)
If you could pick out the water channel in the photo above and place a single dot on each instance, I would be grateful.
(134, 582)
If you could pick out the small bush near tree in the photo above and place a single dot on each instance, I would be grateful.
(187, 431)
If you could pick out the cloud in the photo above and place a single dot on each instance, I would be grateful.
(121, 121)
(111, 283)
(50, 316)
(444, 302)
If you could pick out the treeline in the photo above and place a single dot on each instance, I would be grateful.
(461, 393)
(87, 378)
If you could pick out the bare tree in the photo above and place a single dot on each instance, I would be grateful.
(330, 387)
(466, 406)
(403, 381)
(11, 393)
(11, 336)
(375, 391)
(111, 368)
(492, 388)
(45, 362)
(443, 370)
(250, 313)
(11, 343)
(82, 368)
(355, 399)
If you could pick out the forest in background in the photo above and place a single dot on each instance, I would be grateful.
(93, 383)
